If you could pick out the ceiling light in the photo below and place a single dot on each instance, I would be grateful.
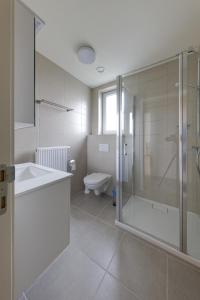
(100, 69)
(86, 55)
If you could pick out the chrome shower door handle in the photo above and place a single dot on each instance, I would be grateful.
(124, 149)
(198, 164)
(198, 99)
(197, 151)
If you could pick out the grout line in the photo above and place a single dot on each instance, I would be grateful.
(24, 296)
(38, 279)
(104, 221)
(93, 217)
(90, 258)
(96, 217)
(115, 251)
(80, 249)
(85, 212)
(107, 223)
(118, 279)
(106, 270)
(107, 204)
(110, 226)
(99, 285)
(48, 269)
(123, 285)
(93, 260)
(110, 274)
(167, 280)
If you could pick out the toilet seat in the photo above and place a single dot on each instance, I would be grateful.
(96, 178)
(98, 182)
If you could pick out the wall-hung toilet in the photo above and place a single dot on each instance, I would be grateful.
(99, 182)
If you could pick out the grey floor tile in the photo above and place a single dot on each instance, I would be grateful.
(94, 204)
(80, 222)
(108, 214)
(95, 238)
(76, 278)
(183, 281)
(112, 289)
(78, 197)
(141, 268)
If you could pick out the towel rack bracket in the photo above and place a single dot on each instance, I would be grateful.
(56, 105)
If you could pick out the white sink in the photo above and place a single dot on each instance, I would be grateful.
(30, 176)
(28, 172)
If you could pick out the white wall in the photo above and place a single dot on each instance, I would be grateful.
(55, 127)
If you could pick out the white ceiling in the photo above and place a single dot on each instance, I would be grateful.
(126, 34)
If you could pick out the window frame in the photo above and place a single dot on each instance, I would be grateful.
(104, 94)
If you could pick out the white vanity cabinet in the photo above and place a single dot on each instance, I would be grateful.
(41, 221)
(24, 78)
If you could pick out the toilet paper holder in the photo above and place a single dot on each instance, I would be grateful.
(72, 165)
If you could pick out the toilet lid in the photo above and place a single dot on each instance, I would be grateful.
(95, 178)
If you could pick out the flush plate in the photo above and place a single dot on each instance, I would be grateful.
(103, 147)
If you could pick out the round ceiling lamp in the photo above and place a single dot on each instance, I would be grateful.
(86, 55)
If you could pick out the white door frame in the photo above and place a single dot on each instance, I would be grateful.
(7, 142)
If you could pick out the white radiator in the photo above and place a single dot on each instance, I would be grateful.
(53, 157)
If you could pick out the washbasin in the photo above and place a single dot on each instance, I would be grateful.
(29, 172)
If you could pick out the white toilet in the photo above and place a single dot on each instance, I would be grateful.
(99, 182)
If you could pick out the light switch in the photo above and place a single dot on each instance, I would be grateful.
(103, 147)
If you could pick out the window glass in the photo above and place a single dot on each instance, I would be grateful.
(109, 118)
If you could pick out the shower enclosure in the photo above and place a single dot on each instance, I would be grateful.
(158, 137)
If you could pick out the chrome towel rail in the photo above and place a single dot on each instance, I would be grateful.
(56, 105)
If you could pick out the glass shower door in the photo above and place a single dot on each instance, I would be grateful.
(149, 151)
(127, 140)
(193, 155)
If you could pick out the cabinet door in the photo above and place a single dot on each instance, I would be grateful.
(24, 66)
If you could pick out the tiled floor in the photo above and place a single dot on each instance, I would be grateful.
(82, 271)
(104, 263)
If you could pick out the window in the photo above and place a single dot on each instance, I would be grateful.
(109, 112)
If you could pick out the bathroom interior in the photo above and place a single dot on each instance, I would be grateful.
(107, 186)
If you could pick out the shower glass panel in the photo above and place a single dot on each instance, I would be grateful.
(193, 155)
(149, 151)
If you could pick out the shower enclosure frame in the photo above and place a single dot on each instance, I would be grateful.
(183, 127)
